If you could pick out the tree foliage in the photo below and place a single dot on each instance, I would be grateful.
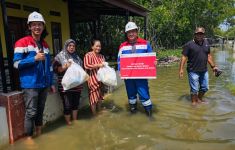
(109, 30)
(170, 24)
(175, 21)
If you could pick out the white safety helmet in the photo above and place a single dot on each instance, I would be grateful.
(130, 26)
(35, 16)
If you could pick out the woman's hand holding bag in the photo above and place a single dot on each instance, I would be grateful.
(107, 75)
(74, 76)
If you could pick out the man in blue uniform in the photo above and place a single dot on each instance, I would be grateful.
(134, 44)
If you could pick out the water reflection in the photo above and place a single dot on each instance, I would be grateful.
(178, 126)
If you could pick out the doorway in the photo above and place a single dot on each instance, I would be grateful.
(17, 30)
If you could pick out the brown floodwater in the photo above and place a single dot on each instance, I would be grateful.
(177, 125)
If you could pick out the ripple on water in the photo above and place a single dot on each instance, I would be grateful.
(178, 125)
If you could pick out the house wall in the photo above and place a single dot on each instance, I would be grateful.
(45, 7)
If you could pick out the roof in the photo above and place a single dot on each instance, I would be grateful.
(86, 10)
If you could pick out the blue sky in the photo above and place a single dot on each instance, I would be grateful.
(224, 26)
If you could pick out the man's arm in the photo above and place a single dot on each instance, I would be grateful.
(211, 62)
(181, 69)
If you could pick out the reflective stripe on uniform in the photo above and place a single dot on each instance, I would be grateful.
(16, 64)
(132, 101)
(147, 103)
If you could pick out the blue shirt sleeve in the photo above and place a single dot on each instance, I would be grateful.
(24, 62)
(118, 62)
(118, 58)
(149, 47)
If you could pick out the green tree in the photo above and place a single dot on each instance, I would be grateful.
(175, 21)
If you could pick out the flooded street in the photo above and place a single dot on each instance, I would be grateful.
(178, 125)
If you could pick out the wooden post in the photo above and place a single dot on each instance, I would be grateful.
(9, 47)
(2, 70)
(145, 28)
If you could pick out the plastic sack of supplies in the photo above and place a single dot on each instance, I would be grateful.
(107, 75)
(74, 76)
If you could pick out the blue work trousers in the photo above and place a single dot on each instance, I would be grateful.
(140, 87)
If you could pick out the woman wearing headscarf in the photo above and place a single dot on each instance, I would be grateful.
(70, 97)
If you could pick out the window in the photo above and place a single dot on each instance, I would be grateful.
(56, 37)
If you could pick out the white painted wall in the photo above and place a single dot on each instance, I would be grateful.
(4, 134)
(53, 108)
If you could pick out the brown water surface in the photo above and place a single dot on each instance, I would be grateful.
(178, 125)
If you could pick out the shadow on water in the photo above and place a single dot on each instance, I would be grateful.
(111, 106)
(185, 97)
(178, 125)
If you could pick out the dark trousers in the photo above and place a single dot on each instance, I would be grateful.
(35, 100)
(70, 101)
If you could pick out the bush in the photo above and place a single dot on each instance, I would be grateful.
(168, 52)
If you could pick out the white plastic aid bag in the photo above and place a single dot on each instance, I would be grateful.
(74, 76)
(107, 75)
